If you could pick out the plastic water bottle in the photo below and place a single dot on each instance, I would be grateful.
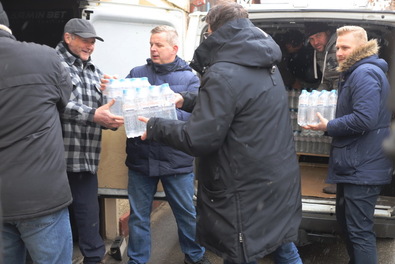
(323, 102)
(114, 91)
(296, 98)
(142, 108)
(130, 113)
(302, 108)
(154, 102)
(144, 83)
(312, 118)
(105, 92)
(169, 107)
(332, 104)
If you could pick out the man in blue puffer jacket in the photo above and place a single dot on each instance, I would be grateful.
(357, 162)
(149, 161)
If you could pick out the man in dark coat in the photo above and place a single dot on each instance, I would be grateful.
(357, 162)
(35, 194)
(249, 201)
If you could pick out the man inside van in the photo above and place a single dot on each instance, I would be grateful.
(323, 42)
(358, 164)
(296, 65)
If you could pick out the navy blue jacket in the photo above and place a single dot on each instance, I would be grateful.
(153, 158)
(362, 121)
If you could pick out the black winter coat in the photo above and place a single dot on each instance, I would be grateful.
(34, 86)
(249, 200)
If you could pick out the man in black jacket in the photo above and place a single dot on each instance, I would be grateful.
(249, 203)
(35, 194)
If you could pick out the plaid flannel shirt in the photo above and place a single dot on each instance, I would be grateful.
(82, 137)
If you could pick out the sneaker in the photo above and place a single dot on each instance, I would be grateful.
(331, 189)
(203, 260)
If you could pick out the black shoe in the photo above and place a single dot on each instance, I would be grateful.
(203, 260)
(331, 189)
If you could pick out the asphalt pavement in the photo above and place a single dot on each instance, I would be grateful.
(166, 250)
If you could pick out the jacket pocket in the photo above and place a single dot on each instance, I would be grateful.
(345, 159)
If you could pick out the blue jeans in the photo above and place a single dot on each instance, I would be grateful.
(285, 254)
(179, 191)
(47, 238)
(355, 206)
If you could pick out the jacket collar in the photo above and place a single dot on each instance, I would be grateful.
(71, 59)
(177, 65)
(366, 50)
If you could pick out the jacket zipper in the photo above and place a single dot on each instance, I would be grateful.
(240, 234)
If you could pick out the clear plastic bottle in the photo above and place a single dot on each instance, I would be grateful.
(312, 118)
(144, 83)
(291, 98)
(105, 92)
(294, 119)
(302, 108)
(323, 102)
(130, 113)
(115, 92)
(154, 102)
(143, 106)
(332, 104)
(296, 98)
(169, 107)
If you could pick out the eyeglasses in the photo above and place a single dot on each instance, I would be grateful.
(206, 34)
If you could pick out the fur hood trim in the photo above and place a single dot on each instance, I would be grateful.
(368, 49)
(5, 28)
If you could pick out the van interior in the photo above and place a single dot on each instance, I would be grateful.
(314, 165)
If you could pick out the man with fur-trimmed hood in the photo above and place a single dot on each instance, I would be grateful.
(357, 162)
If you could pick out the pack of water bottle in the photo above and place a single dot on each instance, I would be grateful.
(312, 142)
(137, 97)
(315, 101)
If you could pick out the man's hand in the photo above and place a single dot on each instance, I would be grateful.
(179, 100)
(104, 117)
(105, 80)
(320, 126)
(145, 120)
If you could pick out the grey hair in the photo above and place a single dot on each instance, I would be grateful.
(171, 32)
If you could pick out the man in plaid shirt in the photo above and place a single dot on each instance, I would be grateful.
(84, 117)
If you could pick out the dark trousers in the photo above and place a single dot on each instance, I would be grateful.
(354, 212)
(84, 214)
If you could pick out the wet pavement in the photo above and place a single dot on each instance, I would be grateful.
(166, 250)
